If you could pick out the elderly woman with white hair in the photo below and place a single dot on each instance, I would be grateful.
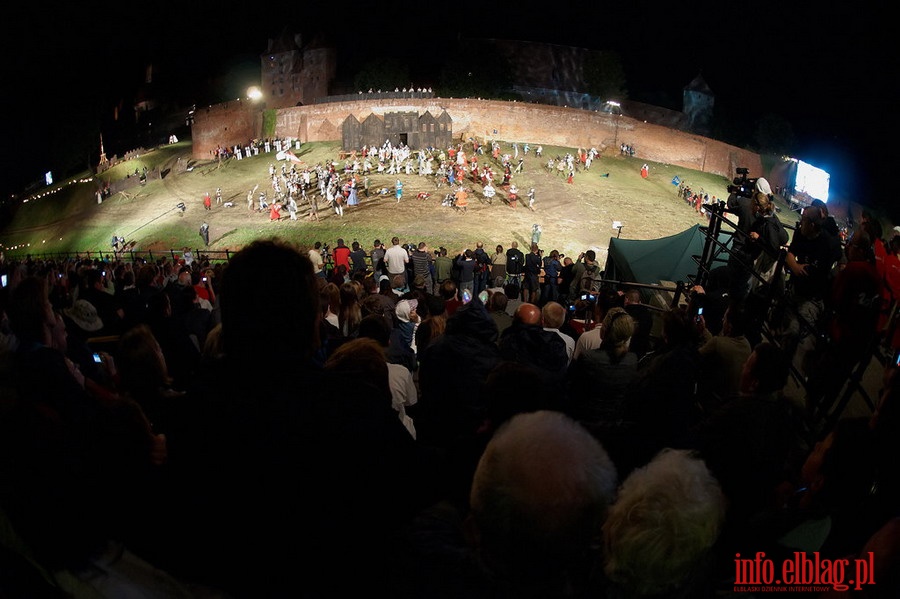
(661, 529)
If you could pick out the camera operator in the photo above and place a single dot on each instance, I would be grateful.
(740, 203)
(731, 279)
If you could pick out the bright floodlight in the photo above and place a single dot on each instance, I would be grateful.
(254, 93)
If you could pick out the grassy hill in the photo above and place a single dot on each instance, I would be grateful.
(574, 217)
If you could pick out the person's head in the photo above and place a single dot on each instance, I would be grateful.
(665, 520)
(364, 359)
(534, 248)
(377, 243)
(511, 290)
(423, 246)
(264, 272)
(185, 300)
(859, 247)
(355, 246)
(554, 254)
(406, 310)
(497, 302)
(538, 499)
(513, 388)
(141, 363)
(514, 245)
(734, 322)
(553, 315)
(395, 241)
(822, 206)
(317, 245)
(398, 281)
(618, 328)
(631, 295)
(349, 294)
(30, 313)
(499, 249)
(94, 278)
(567, 261)
(479, 245)
(370, 286)
(375, 327)
(762, 204)
(590, 256)
(605, 300)
(184, 276)
(340, 242)
(433, 326)
(527, 314)
(762, 186)
(675, 329)
(765, 371)
(811, 222)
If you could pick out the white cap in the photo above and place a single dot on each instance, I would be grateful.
(763, 186)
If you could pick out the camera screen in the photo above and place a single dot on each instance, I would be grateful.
(2, 280)
(97, 358)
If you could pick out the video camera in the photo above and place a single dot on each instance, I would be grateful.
(743, 185)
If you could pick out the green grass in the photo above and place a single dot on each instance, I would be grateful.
(574, 216)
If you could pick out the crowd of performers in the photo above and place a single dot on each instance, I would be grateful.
(463, 168)
(698, 200)
(471, 170)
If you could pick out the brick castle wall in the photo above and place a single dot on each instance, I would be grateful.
(238, 122)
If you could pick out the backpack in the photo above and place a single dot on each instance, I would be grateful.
(513, 266)
(482, 263)
(592, 280)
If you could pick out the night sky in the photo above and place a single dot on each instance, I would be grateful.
(827, 71)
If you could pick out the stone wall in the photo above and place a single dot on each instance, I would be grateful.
(227, 124)
(238, 122)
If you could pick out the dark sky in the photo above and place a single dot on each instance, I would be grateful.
(826, 70)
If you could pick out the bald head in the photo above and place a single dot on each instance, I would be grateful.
(528, 314)
(553, 315)
(540, 494)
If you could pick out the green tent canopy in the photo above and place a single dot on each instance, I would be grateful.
(653, 260)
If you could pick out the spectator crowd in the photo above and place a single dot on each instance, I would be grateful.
(332, 421)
